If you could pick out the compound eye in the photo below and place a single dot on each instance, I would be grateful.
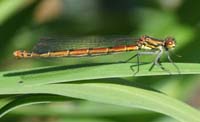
(169, 43)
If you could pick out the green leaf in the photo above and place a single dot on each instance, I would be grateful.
(119, 95)
(74, 108)
(29, 100)
(56, 74)
(49, 80)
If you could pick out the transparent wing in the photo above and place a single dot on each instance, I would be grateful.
(66, 43)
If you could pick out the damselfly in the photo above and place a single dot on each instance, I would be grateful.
(95, 46)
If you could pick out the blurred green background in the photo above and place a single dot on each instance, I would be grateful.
(24, 22)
